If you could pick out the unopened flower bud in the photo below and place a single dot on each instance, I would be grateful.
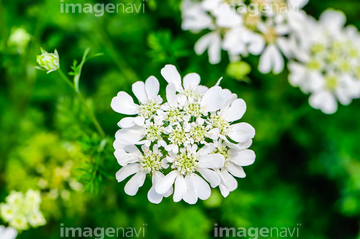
(48, 61)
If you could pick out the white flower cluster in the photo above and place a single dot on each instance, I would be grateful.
(192, 137)
(19, 39)
(270, 28)
(23, 210)
(328, 65)
(7, 233)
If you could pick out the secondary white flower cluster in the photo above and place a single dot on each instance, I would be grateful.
(270, 28)
(7, 233)
(328, 64)
(192, 138)
(23, 210)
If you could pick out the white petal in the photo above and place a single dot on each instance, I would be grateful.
(190, 196)
(297, 4)
(180, 188)
(215, 50)
(236, 110)
(138, 89)
(212, 161)
(165, 183)
(279, 63)
(171, 75)
(241, 132)
(343, 96)
(203, 43)
(210, 176)
(191, 81)
(334, 19)
(132, 187)
(124, 158)
(224, 190)
(127, 122)
(214, 134)
(265, 63)
(153, 196)
(202, 89)
(128, 136)
(152, 87)
(271, 59)
(230, 181)
(213, 99)
(207, 149)
(139, 120)
(297, 73)
(235, 170)
(10, 233)
(124, 104)
(126, 171)
(171, 94)
(202, 188)
(243, 157)
(256, 44)
(324, 101)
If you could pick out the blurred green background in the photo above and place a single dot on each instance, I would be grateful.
(307, 168)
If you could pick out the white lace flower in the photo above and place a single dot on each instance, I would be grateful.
(180, 133)
(22, 211)
(270, 28)
(189, 86)
(232, 111)
(235, 158)
(19, 39)
(139, 163)
(327, 67)
(188, 185)
(147, 94)
(7, 233)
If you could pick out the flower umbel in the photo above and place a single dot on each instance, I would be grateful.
(22, 211)
(180, 138)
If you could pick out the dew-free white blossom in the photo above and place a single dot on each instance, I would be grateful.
(269, 28)
(22, 211)
(19, 39)
(7, 233)
(328, 65)
(176, 142)
(48, 61)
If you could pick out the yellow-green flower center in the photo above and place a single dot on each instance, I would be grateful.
(153, 132)
(314, 64)
(149, 109)
(186, 163)
(193, 109)
(150, 162)
(218, 122)
(198, 133)
(178, 136)
(331, 83)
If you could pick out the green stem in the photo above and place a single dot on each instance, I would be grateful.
(83, 101)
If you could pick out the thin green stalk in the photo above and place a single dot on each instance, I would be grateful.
(83, 101)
